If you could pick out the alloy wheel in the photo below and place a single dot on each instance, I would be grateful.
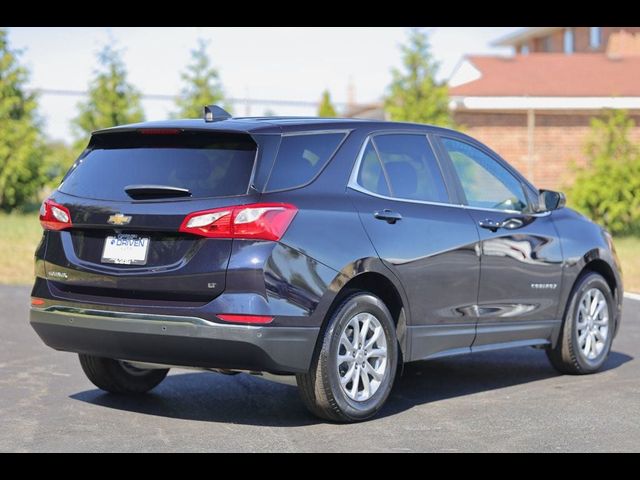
(362, 357)
(592, 324)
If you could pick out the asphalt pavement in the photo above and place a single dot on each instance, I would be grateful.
(510, 400)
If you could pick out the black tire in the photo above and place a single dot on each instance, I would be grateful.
(320, 388)
(567, 356)
(112, 376)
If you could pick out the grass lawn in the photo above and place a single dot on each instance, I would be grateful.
(20, 234)
(19, 237)
(628, 250)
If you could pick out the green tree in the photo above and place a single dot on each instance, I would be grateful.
(112, 99)
(326, 108)
(202, 85)
(414, 94)
(21, 146)
(57, 160)
(607, 189)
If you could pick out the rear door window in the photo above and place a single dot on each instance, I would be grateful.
(408, 167)
(301, 157)
(207, 165)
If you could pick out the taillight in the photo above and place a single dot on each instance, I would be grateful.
(54, 216)
(260, 221)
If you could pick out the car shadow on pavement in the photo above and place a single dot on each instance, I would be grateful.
(435, 380)
(243, 399)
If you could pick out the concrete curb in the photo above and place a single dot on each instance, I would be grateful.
(632, 296)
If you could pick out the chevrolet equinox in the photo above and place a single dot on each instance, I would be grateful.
(334, 250)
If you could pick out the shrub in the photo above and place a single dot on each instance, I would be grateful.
(608, 189)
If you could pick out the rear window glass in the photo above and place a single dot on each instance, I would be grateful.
(208, 165)
(301, 157)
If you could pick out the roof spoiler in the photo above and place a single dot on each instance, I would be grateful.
(214, 113)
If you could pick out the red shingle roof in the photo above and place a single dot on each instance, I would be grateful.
(553, 75)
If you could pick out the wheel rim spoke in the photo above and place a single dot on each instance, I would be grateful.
(364, 331)
(594, 346)
(376, 335)
(583, 310)
(345, 359)
(599, 309)
(344, 341)
(355, 324)
(583, 338)
(366, 386)
(377, 353)
(371, 371)
(587, 344)
(348, 375)
(355, 383)
(593, 303)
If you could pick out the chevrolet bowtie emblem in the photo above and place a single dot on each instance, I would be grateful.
(119, 219)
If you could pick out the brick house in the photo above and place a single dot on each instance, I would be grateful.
(534, 107)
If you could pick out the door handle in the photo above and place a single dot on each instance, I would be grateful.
(490, 224)
(388, 216)
(509, 224)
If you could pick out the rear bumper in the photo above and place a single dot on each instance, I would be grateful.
(175, 340)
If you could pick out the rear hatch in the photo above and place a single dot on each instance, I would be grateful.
(127, 197)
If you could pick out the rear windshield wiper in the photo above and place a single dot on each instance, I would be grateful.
(156, 191)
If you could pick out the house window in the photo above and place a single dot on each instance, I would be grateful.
(568, 40)
(524, 50)
(595, 37)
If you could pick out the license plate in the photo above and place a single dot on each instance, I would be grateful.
(125, 249)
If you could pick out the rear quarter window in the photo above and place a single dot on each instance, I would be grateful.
(301, 157)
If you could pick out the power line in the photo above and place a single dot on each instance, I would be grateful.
(165, 97)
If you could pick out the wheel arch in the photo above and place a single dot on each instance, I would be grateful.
(586, 247)
(372, 276)
(602, 268)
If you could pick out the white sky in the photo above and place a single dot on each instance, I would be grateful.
(285, 63)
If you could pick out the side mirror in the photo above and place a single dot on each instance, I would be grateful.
(549, 200)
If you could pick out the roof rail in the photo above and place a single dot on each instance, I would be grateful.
(214, 113)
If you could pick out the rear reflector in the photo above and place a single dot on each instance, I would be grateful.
(252, 319)
(54, 216)
(37, 302)
(260, 221)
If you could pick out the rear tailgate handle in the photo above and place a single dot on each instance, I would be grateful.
(388, 216)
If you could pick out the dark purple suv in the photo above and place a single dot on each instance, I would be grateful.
(329, 249)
